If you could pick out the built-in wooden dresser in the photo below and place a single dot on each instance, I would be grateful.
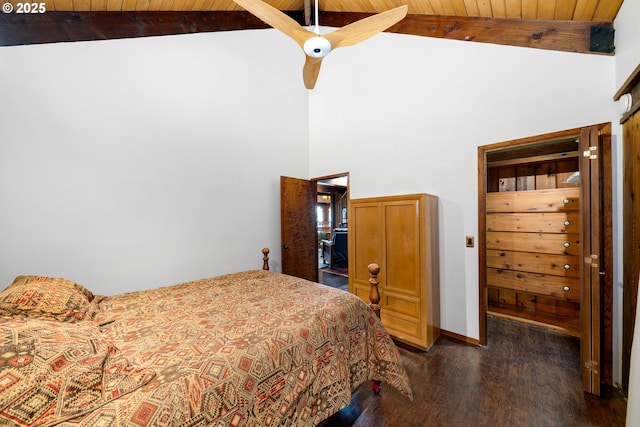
(533, 256)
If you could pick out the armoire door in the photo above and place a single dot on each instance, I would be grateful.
(298, 236)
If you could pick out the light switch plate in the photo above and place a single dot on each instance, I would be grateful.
(470, 243)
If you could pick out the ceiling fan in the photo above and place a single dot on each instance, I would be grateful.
(315, 45)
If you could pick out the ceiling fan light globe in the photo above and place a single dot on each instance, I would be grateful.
(317, 47)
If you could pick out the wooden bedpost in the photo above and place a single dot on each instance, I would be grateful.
(374, 297)
(265, 258)
(374, 294)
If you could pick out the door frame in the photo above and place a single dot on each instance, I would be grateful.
(311, 183)
(605, 332)
(317, 181)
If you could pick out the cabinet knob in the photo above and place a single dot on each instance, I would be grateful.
(567, 266)
(566, 201)
(567, 223)
(567, 244)
(566, 288)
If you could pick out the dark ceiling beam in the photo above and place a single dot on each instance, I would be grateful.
(567, 36)
(51, 27)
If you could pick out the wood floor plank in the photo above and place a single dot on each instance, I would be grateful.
(525, 376)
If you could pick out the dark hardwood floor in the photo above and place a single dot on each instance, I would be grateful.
(334, 280)
(525, 376)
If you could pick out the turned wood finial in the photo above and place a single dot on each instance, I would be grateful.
(265, 258)
(374, 294)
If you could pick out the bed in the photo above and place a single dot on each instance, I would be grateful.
(253, 348)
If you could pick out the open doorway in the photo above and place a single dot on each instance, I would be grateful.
(332, 225)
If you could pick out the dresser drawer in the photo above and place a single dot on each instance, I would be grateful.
(559, 244)
(535, 222)
(556, 265)
(542, 284)
(552, 200)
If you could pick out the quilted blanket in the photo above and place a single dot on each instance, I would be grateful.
(254, 348)
(52, 371)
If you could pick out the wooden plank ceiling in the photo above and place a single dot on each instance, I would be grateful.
(568, 25)
(576, 10)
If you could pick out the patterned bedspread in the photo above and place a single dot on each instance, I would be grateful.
(254, 348)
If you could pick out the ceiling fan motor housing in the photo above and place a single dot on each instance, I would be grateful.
(317, 47)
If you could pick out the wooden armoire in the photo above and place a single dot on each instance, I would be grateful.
(400, 233)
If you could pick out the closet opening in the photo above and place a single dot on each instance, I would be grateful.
(544, 210)
(533, 235)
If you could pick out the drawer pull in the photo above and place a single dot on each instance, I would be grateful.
(567, 244)
(566, 288)
(567, 223)
(566, 201)
(567, 266)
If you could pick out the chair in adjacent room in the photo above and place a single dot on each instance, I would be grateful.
(335, 251)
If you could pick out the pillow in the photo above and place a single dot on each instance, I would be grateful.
(47, 298)
(24, 280)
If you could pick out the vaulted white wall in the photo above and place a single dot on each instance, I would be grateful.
(406, 114)
(627, 40)
(128, 164)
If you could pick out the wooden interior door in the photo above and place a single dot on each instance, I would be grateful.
(298, 236)
(591, 238)
(631, 237)
(630, 217)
